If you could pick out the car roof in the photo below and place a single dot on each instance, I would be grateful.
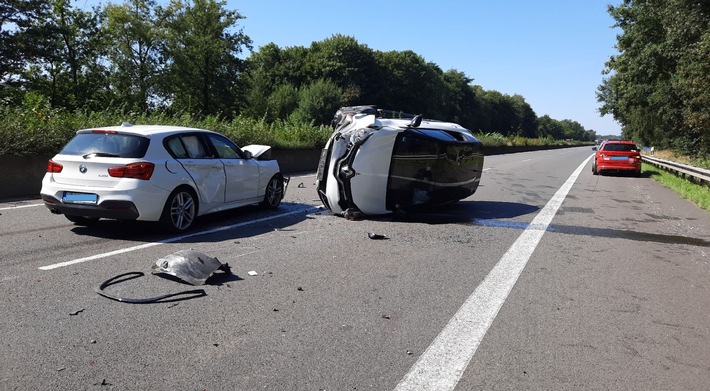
(145, 130)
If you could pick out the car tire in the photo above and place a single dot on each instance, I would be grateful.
(594, 170)
(82, 220)
(180, 210)
(274, 193)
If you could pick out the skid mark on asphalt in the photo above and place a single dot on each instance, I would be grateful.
(441, 366)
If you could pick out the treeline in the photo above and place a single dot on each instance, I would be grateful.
(188, 57)
(658, 86)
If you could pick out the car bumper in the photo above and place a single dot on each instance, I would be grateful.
(121, 210)
(607, 166)
(139, 200)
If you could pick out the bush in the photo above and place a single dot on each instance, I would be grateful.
(37, 130)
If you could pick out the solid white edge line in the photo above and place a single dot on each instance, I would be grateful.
(177, 239)
(441, 366)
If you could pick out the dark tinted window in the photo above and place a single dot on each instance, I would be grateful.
(107, 144)
(620, 147)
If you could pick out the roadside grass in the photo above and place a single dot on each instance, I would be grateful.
(670, 155)
(695, 193)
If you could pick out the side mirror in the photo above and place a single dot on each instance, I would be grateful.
(594, 148)
(248, 155)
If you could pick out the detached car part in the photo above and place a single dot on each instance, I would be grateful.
(375, 165)
(190, 266)
(184, 295)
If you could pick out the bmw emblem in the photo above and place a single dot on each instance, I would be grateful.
(82, 169)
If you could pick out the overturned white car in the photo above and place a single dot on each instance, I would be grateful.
(375, 165)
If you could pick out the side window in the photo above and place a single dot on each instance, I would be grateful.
(225, 148)
(176, 148)
(194, 146)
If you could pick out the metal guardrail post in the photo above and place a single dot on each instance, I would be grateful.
(699, 175)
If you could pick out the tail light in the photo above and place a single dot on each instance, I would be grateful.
(140, 170)
(53, 166)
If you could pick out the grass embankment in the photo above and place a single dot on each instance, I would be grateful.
(696, 193)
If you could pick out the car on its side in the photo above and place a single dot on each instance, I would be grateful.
(378, 162)
(168, 174)
(617, 156)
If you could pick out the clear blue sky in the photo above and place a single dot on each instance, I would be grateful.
(551, 52)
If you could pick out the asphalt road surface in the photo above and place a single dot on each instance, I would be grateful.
(548, 278)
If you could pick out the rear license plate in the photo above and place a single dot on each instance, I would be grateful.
(619, 158)
(79, 198)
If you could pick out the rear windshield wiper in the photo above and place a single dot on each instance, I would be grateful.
(99, 154)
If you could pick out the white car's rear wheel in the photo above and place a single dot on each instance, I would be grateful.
(180, 210)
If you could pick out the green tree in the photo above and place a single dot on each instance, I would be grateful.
(67, 66)
(318, 102)
(549, 127)
(201, 51)
(16, 44)
(461, 104)
(268, 69)
(411, 84)
(136, 32)
(655, 85)
(526, 120)
(347, 63)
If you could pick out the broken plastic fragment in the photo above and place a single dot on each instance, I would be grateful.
(252, 273)
(375, 236)
(190, 266)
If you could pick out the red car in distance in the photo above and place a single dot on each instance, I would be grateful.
(617, 156)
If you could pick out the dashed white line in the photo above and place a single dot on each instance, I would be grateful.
(441, 366)
(176, 239)
(526, 160)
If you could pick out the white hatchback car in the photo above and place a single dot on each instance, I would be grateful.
(168, 174)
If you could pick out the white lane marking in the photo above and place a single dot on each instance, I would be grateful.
(20, 206)
(526, 160)
(441, 366)
(486, 169)
(177, 239)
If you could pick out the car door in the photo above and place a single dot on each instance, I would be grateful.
(206, 170)
(242, 174)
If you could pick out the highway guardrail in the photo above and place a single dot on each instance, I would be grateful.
(699, 175)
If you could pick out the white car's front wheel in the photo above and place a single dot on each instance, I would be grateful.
(180, 210)
(274, 193)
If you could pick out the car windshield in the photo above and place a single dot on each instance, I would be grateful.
(107, 144)
(620, 147)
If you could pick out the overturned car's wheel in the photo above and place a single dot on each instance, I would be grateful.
(82, 220)
(180, 210)
(274, 193)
